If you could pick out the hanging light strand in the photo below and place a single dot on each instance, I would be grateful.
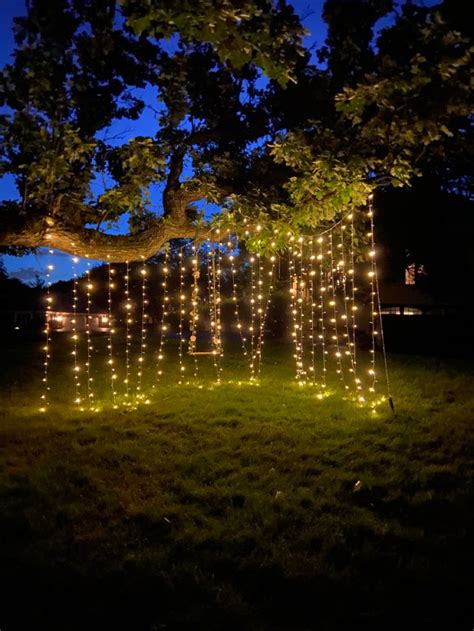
(312, 273)
(301, 295)
(261, 337)
(195, 309)
(252, 317)
(128, 331)
(194, 312)
(218, 284)
(378, 301)
(163, 322)
(212, 298)
(322, 309)
(346, 299)
(353, 305)
(143, 330)
(259, 315)
(373, 314)
(90, 348)
(47, 340)
(182, 312)
(110, 341)
(296, 306)
(75, 334)
(334, 319)
(235, 302)
(293, 293)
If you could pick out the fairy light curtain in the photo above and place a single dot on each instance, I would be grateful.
(334, 318)
(45, 396)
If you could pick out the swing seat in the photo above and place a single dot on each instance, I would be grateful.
(202, 352)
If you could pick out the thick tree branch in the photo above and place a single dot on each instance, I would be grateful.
(89, 243)
(174, 203)
(177, 195)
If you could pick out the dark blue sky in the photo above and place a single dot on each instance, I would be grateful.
(28, 266)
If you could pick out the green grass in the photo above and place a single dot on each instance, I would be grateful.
(236, 506)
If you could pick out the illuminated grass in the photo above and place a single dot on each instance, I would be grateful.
(240, 506)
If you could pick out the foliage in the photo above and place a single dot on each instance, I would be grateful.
(74, 72)
(262, 33)
(429, 76)
(390, 123)
(243, 119)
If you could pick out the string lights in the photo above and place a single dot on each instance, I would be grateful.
(322, 313)
(182, 313)
(194, 312)
(128, 329)
(298, 295)
(252, 318)
(267, 301)
(346, 299)
(353, 306)
(259, 306)
(294, 311)
(110, 342)
(213, 284)
(334, 319)
(89, 347)
(235, 301)
(300, 299)
(218, 301)
(376, 312)
(47, 339)
(75, 334)
(259, 313)
(312, 273)
(372, 321)
(143, 330)
(323, 280)
(163, 323)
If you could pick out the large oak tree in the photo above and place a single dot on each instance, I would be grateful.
(242, 118)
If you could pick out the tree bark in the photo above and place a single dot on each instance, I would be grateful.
(89, 243)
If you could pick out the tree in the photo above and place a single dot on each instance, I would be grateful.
(75, 68)
(280, 154)
(403, 111)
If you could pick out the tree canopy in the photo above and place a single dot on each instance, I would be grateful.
(243, 118)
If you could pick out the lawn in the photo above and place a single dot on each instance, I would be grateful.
(239, 506)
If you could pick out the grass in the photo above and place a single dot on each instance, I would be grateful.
(239, 506)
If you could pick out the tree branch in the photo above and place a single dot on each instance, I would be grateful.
(173, 205)
(89, 243)
(177, 195)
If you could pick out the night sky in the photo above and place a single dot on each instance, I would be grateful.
(27, 267)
